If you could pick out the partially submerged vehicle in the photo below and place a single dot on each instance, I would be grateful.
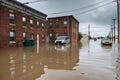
(106, 41)
(62, 40)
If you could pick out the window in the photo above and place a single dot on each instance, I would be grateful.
(57, 34)
(24, 35)
(65, 33)
(50, 24)
(12, 35)
(24, 21)
(50, 35)
(65, 23)
(12, 18)
(57, 23)
(32, 36)
(42, 25)
(31, 23)
(38, 24)
(43, 36)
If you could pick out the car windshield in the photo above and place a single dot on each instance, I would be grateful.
(60, 38)
(106, 39)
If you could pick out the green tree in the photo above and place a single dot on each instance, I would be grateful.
(109, 37)
(80, 36)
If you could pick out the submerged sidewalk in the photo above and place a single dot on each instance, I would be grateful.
(118, 64)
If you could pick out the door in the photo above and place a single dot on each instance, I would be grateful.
(38, 38)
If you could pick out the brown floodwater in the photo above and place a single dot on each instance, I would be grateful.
(59, 62)
(118, 65)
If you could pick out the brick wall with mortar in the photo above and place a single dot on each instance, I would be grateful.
(71, 28)
(5, 27)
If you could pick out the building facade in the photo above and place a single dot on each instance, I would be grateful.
(119, 23)
(19, 22)
(63, 26)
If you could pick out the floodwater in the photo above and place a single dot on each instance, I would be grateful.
(68, 62)
(118, 65)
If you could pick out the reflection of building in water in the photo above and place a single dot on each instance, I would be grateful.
(26, 63)
(57, 59)
(19, 65)
(118, 65)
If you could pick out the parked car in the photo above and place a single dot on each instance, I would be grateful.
(106, 41)
(62, 40)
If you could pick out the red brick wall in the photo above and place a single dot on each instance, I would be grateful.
(74, 30)
(60, 29)
(72, 27)
(5, 28)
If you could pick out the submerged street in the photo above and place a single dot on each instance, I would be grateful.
(67, 62)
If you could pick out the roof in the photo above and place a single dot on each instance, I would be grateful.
(63, 17)
(22, 7)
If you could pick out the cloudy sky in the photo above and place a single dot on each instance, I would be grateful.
(97, 13)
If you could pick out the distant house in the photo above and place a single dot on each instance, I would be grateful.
(63, 26)
(19, 22)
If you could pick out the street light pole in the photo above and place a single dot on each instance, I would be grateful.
(118, 21)
(114, 29)
(112, 32)
(88, 31)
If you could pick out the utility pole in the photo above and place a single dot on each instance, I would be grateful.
(88, 31)
(88, 39)
(112, 32)
(118, 21)
(114, 29)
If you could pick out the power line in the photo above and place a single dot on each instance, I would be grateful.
(80, 8)
(93, 9)
(100, 27)
(95, 27)
(34, 1)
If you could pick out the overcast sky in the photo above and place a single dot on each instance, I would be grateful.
(97, 13)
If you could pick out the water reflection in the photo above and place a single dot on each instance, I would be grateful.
(61, 57)
(106, 46)
(29, 63)
(62, 47)
(63, 62)
(118, 65)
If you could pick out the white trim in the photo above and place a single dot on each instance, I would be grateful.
(24, 26)
(12, 24)
(31, 28)
(12, 42)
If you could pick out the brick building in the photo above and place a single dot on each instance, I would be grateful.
(19, 22)
(64, 25)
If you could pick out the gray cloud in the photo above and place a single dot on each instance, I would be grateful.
(98, 16)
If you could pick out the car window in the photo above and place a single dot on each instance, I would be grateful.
(60, 38)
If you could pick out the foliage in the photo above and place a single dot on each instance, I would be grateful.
(109, 37)
(89, 37)
(80, 36)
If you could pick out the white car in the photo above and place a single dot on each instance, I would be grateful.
(62, 40)
(106, 41)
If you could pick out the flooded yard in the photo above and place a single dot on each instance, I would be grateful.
(65, 62)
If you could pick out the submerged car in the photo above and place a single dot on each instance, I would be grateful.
(106, 41)
(62, 40)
